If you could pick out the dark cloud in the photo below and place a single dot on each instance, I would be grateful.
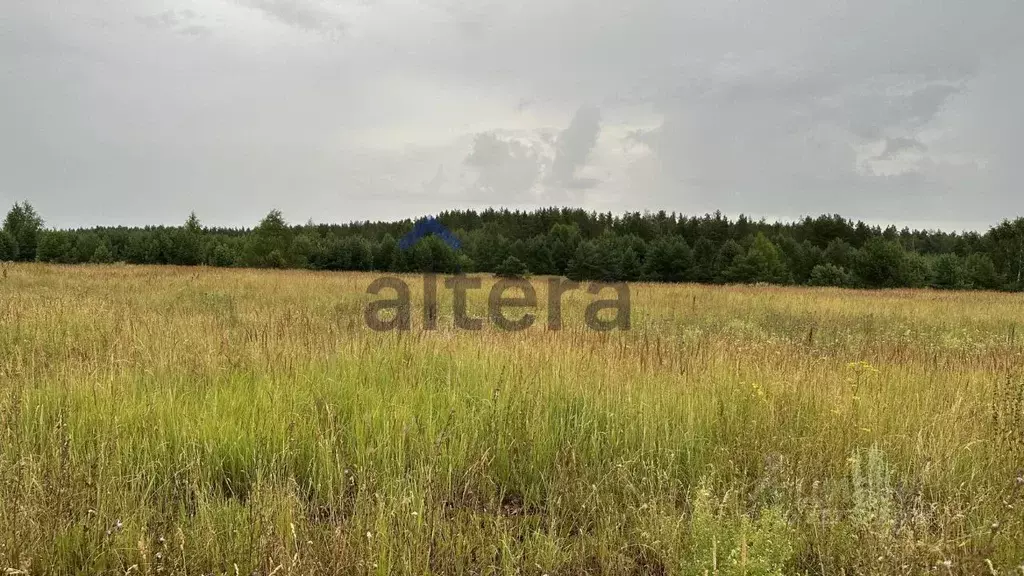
(572, 148)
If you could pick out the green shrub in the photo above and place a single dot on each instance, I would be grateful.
(829, 275)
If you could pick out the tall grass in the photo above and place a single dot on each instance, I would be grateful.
(198, 421)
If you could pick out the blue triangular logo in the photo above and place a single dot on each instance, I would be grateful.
(425, 227)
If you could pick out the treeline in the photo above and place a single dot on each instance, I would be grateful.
(658, 247)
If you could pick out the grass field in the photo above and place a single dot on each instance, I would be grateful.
(206, 421)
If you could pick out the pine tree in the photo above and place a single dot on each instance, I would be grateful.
(192, 225)
(360, 254)
(949, 272)
(881, 263)
(386, 255)
(222, 256)
(669, 259)
(729, 263)
(839, 254)
(764, 262)
(102, 254)
(187, 245)
(563, 239)
(917, 271)
(981, 272)
(704, 254)
(512, 267)
(54, 246)
(6, 247)
(270, 242)
(585, 263)
(630, 266)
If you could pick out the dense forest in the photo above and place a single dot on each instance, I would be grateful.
(656, 247)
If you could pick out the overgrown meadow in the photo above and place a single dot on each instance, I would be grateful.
(162, 420)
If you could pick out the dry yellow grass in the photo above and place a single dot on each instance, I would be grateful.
(191, 420)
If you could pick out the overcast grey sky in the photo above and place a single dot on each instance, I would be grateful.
(137, 112)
